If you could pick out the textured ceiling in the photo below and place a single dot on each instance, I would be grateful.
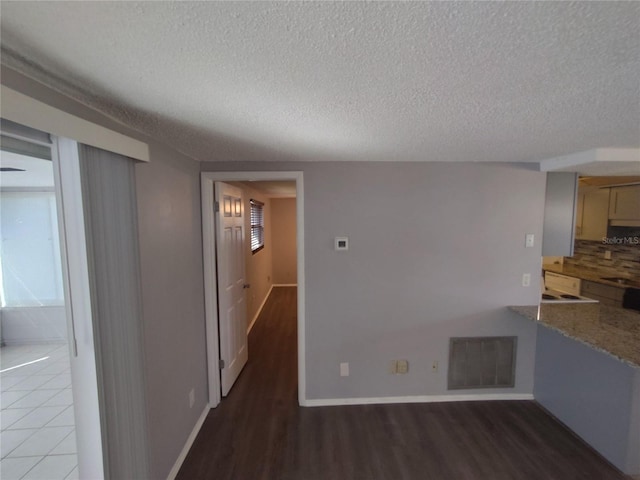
(274, 188)
(415, 81)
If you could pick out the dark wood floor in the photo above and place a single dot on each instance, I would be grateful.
(260, 433)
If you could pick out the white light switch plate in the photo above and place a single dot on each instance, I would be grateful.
(528, 240)
(344, 369)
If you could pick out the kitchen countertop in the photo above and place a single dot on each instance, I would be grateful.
(614, 331)
(584, 274)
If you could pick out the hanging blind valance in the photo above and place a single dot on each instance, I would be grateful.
(27, 111)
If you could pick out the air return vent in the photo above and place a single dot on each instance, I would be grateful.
(482, 362)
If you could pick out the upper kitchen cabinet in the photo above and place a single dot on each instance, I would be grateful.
(624, 204)
(592, 213)
(559, 214)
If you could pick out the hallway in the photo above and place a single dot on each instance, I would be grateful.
(259, 433)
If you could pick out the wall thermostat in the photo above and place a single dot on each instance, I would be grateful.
(342, 243)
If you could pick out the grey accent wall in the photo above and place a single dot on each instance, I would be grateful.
(596, 396)
(436, 250)
(170, 241)
(559, 214)
(170, 233)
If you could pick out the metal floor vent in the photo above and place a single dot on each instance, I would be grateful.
(482, 362)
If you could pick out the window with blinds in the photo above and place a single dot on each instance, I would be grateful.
(257, 225)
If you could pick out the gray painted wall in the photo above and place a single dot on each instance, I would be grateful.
(170, 233)
(170, 241)
(597, 396)
(436, 250)
(559, 214)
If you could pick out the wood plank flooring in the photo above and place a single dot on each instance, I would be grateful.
(260, 433)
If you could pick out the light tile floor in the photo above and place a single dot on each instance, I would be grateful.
(38, 439)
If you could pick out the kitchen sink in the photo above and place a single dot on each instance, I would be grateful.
(622, 281)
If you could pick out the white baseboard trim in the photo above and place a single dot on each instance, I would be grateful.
(285, 284)
(259, 311)
(328, 402)
(187, 446)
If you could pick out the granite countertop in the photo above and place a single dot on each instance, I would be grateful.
(614, 331)
(592, 275)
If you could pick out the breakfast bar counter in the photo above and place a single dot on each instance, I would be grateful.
(587, 374)
(614, 331)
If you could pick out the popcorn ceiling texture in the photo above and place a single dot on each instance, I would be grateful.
(406, 81)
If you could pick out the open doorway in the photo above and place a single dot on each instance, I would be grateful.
(270, 250)
(38, 421)
(260, 187)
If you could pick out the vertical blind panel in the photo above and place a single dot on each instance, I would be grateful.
(109, 198)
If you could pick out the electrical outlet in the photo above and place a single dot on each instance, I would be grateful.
(393, 367)
(192, 398)
(402, 366)
(526, 279)
(607, 254)
(434, 366)
(344, 369)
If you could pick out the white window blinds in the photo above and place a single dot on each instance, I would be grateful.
(257, 225)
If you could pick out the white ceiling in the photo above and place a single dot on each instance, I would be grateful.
(412, 81)
(274, 188)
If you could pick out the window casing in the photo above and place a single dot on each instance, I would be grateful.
(257, 225)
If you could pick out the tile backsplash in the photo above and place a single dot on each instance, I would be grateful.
(625, 259)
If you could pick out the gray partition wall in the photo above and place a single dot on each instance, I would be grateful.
(559, 214)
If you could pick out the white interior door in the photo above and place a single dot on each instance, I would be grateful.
(232, 308)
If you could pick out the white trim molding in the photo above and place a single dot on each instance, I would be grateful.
(188, 444)
(329, 402)
(32, 113)
(259, 311)
(80, 320)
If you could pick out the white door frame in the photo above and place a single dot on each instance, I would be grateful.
(210, 278)
(85, 381)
